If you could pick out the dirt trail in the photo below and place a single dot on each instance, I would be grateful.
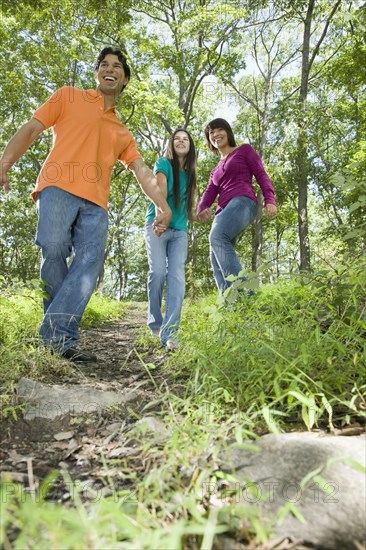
(88, 446)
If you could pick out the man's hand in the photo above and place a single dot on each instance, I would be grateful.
(4, 176)
(150, 187)
(270, 211)
(17, 146)
(161, 221)
(205, 215)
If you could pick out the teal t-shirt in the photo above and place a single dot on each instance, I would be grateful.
(180, 216)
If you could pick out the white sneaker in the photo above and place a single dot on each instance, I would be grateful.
(171, 345)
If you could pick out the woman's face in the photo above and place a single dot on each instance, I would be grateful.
(181, 144)
(218, 137)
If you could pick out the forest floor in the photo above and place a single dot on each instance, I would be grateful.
(88, 446)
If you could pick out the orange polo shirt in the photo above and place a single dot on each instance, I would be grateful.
(87, 142)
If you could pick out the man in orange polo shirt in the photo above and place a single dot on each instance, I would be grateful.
(72, 193)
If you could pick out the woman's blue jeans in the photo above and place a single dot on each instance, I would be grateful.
(68, 224)
(166, 255)
(226, 230)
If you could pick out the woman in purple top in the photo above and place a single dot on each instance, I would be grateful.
(237, 205)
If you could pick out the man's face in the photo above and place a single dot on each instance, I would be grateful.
(110, 76)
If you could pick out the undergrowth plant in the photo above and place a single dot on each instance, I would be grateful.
(293, 354)
(21, 352)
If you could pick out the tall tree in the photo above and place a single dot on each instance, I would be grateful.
(273, 49)
(321, 21)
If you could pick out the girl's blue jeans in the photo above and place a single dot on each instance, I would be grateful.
(226, 230)
(166, 255)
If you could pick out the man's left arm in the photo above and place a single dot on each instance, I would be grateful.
(150, 187)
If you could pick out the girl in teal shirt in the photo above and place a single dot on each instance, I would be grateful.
(167, 254)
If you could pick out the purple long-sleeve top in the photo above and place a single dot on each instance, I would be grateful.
(232, 177)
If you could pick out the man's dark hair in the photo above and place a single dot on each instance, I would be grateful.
(109, 50)
(214, 125)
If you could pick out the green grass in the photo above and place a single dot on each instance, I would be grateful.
(21, 353)
(101, 308)
(21, 313)
(295, 353)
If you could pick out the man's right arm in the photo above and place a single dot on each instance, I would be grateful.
(17, 146)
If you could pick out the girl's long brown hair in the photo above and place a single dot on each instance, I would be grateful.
(190, 167)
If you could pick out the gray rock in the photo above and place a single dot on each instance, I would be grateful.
(284, 473)
(152, 425)
(46, 401)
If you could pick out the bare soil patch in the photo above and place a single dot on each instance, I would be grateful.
(94, 447)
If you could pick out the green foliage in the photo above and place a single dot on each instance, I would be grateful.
(293, 353)
(187, 59)
(20, 312)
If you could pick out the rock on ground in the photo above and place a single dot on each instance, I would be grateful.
(321, 475)
(52, 401)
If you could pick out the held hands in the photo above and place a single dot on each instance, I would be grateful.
(204, 216)
(270, 211)
(161, 221)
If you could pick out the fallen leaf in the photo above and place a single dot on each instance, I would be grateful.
(60, 445)
(72, 451)
(3, 454)
(15, 457)
(117, 452)
(19, 477)
(351, 430)
(63, 435)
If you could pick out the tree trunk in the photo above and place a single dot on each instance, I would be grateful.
(257, 232)
(302, 148)
(302, 207)
(257, 236)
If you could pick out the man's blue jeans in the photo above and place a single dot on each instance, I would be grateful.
(68, 224)
(166, 255)
(226, 230)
